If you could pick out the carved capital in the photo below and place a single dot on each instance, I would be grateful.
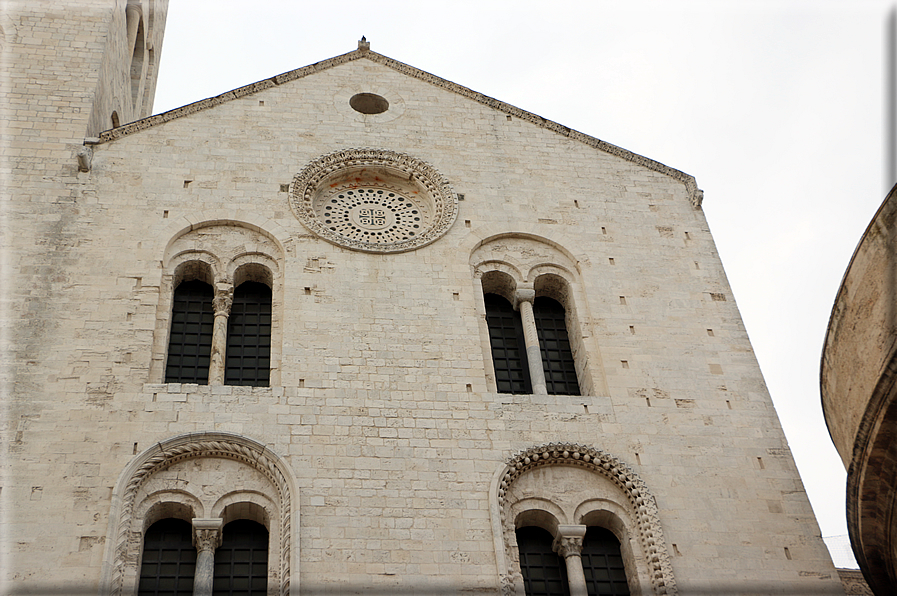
(224, 298)
(524, 293)
(207, 534)
(568, 542)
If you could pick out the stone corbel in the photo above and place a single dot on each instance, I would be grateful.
(85, 158)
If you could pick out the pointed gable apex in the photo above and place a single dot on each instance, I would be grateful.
(363, 52)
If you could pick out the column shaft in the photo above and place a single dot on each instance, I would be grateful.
(206, 538)
(224, 297)
(568, 544)
(533, 354)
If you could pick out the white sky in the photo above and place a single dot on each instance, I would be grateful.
(776, 107)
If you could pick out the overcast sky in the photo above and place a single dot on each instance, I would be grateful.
(777, 108)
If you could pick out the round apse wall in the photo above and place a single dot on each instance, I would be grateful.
(373, 200)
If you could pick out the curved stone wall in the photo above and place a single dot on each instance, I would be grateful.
(858, 393)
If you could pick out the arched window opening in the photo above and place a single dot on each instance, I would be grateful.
(190, 340)
(241, 562)
(116, 122)
(544, 572)
(602, 563)
(248, 355)
(508, 346)
(554, 345)
(169, 559)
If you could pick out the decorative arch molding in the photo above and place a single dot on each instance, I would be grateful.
(235, 218)
(186, 240)
(639, 505)
(492, 248)
(121, 556)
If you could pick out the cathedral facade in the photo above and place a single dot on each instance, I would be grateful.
(359, 329)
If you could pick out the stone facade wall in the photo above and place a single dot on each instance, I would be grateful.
(385, 420)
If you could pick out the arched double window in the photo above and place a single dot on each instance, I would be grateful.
(511, 355)
(203, 513)
(220, 303)
(247, 354)
(596, 561)
(239, 564)
(534, 310)
(576, 520)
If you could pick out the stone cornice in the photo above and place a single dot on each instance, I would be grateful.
(695, 194)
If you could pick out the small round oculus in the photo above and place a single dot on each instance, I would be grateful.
(373, 200)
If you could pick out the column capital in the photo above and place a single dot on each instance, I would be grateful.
(525, 292)
(224, 298)
(568, 542)
(207, 533)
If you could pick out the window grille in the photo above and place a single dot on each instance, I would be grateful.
(544, 572)
(169, 559)
(508, 346)
(190, 340)
(602, 564)
(248, 357)
(554, 345)
(241, 562)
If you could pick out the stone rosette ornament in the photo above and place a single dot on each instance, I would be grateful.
(373, 200)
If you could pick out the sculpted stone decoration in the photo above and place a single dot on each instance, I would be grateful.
(207, 539)
(640, 503)
(568, 546)
(373, 200)
(212, 445)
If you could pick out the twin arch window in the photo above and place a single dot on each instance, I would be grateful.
(247, 359)
(545, 572)
(509, 357)
(168, 566)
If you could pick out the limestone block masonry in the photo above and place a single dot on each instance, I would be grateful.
(381, 454)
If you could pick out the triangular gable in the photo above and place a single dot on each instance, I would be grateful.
(695, 194)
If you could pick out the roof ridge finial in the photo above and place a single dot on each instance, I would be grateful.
(363, 44)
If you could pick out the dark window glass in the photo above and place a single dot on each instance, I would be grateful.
(241, 562)
(508, 346)
(603, 564)
(190, 341)
(544, 572)
(169, 559)
(557, 357)
(248, 358)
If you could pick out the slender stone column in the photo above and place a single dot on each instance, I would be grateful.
(568, 544)
(132, 21)
(224, 298)
(206, 538)
(525, 297)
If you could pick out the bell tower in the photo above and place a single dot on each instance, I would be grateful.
(84, 66)
(127, 76)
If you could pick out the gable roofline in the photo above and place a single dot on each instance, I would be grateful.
(695, 194)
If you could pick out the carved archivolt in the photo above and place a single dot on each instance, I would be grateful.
(641, 505)
(373, 200)
(179, 449)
